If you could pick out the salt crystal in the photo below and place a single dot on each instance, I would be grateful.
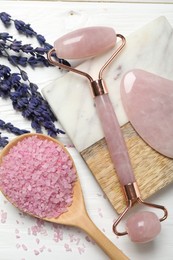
(3, 216)
(36, 252)
(78, 241)
(90, 240)
(24, 247)
(100, 213)
(67, 248)
(42, 249)
(81, 250)
(37, 240)
(58, 235)
(17, 245)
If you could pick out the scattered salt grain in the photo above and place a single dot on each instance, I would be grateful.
(3, 216)
(36, 252)
(24, 247)
(17, 245)
(42, 249)
(89, 239)
(29, 231)
(37, 240)
(67, 248)
(58, 235)
(100, 212)
(17, 231)
(77, 241)
(81, 250)
(38, 177)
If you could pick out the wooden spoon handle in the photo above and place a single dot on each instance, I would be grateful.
(108, 247)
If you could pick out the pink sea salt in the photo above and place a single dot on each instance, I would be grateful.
(67, 248)
(38, 176)
(3, 216)
(36, 252)
(24, 247)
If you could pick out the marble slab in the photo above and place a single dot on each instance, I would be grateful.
(149, 48)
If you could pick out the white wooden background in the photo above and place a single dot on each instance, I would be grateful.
(21, 237)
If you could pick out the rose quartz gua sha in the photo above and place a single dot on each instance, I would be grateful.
(148, 102)
(143, 226)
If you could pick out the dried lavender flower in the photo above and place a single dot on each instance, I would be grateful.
(22, 61)
(5, 18)
(16, 45)
(23, 75)
(24, 95)
(36, 59)
(26, 29)
(41, 39)
(9, 128)
(23, 28)
(5, 36)
(3, 141)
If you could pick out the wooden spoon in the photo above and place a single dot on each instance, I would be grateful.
(76, 215)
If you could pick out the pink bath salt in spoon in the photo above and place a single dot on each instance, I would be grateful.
(112, 131)
(38, 176)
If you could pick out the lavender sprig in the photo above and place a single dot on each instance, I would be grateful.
(26, 29)
(11, 128)
(5, 18)
(17, 46)
(23, 28)
(37, 54)
(28, 100)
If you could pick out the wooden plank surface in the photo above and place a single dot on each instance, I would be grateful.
(152, 170)
(51, 18)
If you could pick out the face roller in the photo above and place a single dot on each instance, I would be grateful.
(89, 42)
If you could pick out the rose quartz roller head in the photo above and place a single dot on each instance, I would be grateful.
(89, 42)
(85, 42)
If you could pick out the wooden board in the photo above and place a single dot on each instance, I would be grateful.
(153, 171)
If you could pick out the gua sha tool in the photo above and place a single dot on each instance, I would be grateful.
(148, 102)
(75, 215)
(144, 226)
